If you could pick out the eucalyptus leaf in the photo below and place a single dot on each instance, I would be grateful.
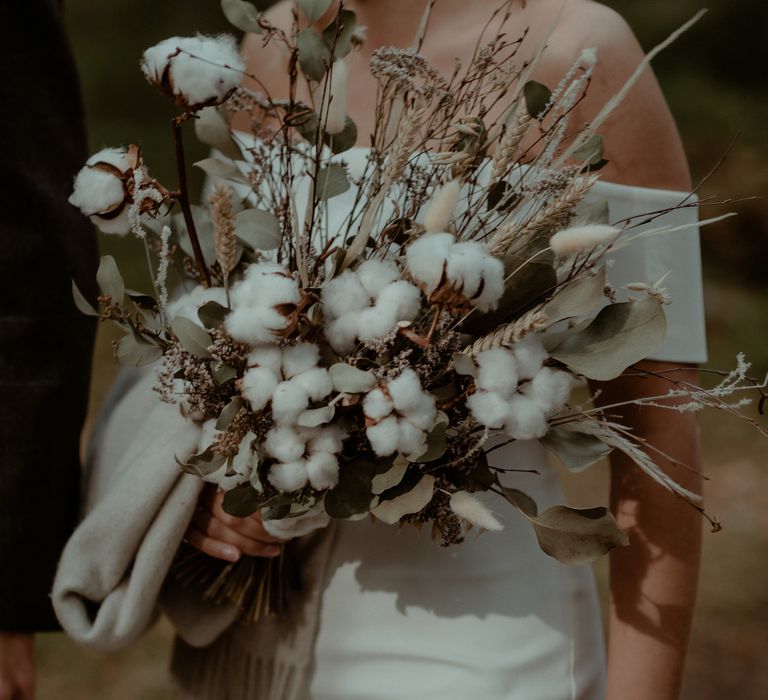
(338, 34)
(212, 129)
(314, 54)
(221, 168)
(591, 151)
(315, 416)
(241, 15)
(242, 501)
(577, 298)
(203, 464)
(110, 280)
(391, 478)
(437, 442)
(204, 228)
(620, 335)
(142, 301)
(314, 9)
(229, 412)
(82, 304)
(212, 314)
(344, 140)
(134, 350)
(575, 449)
(192, 338)
(332, 180)
(537, 98)
(351, 380)
(353, 494)
(258, 228)
(221, 372)
(413, 501)
(465, 365)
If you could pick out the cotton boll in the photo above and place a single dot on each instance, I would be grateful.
(412, 442)
(342, 333)
(329, 438)
(289, 476)
(344, 294)
(550, 389)
(299, 358)
(493, 284)
(255, 325)
(497, 371)
(258, 386)
(472, 509)
(269, 356)
(375, 275)
(377, 404)
(423, 412)
(579, 239)
(441, 206)
(285, 444)
(337, 98)
(375, 322)
(426, 258)
(403, 298)
(384, 436)
(405, 391)
(526, 420)
(464, 267)
(265, 284)
(316, 382)
(489, 409)
(246, 460)
(289, 399)
(530, 355)
(187, 305)
(323, 470)
(96, 191)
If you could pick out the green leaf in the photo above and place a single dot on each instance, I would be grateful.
(340, 31)
(212, 314)
(351, 380)
(221, 168)
(110, 280)
(537, 97)
(390, 479)
(134, 350)
(591, 151)
(222, 373)
(344, 140)
(229, 412)
(577, 298)
(464, 364)
(620, 335)
(332, 180)
(242, 501)
(354, 492)
(242, 15)
(142, 301)
(437, 442)
(192, 338)
(314, 54)
(575, 449)
(314, 9)
(82, 304)
(315, 416)
(212, 129)
(202, 464)
(258, 228)
(410, 502)
(204, 228)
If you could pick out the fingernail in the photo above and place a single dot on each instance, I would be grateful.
(230, 553)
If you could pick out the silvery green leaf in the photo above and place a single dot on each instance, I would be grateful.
(344, 140)
(620, 335)
(314, 54)
(204, 228)
(591, 151)
(465, 365)
(82, 304)
(575, 449)
(351, 380)
(577, 298)
(134, 350)
(338, 34)
(258, 229)
(437, 442)
(192, 338)
(332, 180)
(537, 97)
(242, 501)
(212, 129)
(410, 502)
(221, 168)
(242, 15)
(142, 301)
(391, 478)
(222, 373)
(314, 9)
(229, 412)
(110, 280)
(353, 494)
(202, 464)
(315, 416)
(212, 314)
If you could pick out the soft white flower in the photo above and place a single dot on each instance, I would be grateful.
(285, 443)
(258, 385)
(489, 409)
(530, 355)
(195, 71)
(578, 239)
(322, 470)
(448, 271)
(471, 509)
(497, 371)
(526, 420)
(550, 389)
(103, 189)
(288, 476)
(441, 206)
(299, 358)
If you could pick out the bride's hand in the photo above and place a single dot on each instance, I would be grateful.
(225, 536)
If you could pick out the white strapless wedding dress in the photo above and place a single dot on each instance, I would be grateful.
(494, 618)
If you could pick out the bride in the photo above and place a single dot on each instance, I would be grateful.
(495, 618)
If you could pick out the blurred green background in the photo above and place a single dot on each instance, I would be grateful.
(715, 81)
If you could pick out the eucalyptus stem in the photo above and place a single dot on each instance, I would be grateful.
(183, 199)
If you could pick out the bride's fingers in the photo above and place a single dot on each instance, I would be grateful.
(213, 548)
(212, 526)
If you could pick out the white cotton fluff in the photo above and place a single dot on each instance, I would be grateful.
(403, 298)
(255, 325)
(288, 476)
(471, 509)
(497, 371)
(377, 404)
(197, 70)
(384, 436)
(269, 356)
(328, 438)
(375, 275)
(289, 399)
(341, 333)
(258, 385)
(409, 399)
(550, 389)
(441, 206)
(299, 358)
(412, 441)
(188, 304)
(323, 470)
(316, 382)
(493, 284)
(337, 98)
(426, 258)
(530, 355)
(489, 409)
(578, 239)
(344, 294)
(526, 420)
(285, 444)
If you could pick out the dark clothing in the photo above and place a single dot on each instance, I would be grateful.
(45, 343)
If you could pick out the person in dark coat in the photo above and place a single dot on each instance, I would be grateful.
(45, 343)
